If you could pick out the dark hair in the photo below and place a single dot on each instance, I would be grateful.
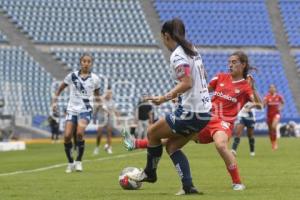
(176, 29)
(86, 54)
(244, 60)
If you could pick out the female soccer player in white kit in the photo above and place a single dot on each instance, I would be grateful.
(192, 113)
(83, 86)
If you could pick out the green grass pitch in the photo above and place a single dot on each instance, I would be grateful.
(268, 175)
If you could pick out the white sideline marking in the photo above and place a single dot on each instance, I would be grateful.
(64, 164)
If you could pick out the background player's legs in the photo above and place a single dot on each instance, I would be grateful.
(272, 132)
(221, 143)
(109, 130)
(239, 131)
(250, 134)
(98, 140)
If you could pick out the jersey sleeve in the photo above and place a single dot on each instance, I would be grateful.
(180, 66)
(68, 79)
(249, 93)
(214, 81)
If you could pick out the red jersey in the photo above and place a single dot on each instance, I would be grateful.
(229, 96)
(273, 103)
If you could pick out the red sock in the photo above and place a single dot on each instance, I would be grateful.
(272, 136)
(234, 173)
(141, 143)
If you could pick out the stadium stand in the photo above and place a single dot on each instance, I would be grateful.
(291, 18)
(131, 73)
(297, 58)
(3, 38)
(83, 21)
(270, 71)
(24, 83)
(223, 23)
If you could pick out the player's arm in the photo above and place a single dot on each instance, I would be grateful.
(213, 83)
(185, 83)
(56, 95)
(281, 103)
(182, 86)
(255, 98)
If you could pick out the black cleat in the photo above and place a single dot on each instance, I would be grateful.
(189, 191)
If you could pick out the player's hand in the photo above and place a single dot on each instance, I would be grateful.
(175, 100)
(54, 107)
(157, 100)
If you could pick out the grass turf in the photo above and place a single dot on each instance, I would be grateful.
(268, 175)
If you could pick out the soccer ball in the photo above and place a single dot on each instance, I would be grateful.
(125, 182)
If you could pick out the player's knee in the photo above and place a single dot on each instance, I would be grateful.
(79, 136)
(221, 145)
(170, 148)
(67, 138)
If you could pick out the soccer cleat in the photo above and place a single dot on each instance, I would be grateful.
(188, 191)
(109, 150)
(142, 177)
(252, 153)
(129, 141)
(234, 152)
(70, 168)
(78, 166)
(238, 187)
(96, 151)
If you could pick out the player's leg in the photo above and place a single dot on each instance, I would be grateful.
(221, 143)
(181, 163)
(109, 130)
(98, 140)
(156, 132)
(74, 134)
(132, 143)
(250, 134)
(236, 141)
(84, 119)
(70, 123)
(273, 135)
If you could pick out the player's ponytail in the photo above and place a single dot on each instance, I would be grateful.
(176, 29)
(244, 60)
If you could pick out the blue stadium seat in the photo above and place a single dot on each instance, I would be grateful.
(81, 21)
(24, 83)
(291, 20)
(225, 23)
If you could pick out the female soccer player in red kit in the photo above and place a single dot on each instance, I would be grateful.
(231, 91)
(274, 103)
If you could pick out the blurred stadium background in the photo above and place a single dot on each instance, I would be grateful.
(42, 40)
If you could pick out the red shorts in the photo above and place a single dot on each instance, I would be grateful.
(271, 118)
(205, 136)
